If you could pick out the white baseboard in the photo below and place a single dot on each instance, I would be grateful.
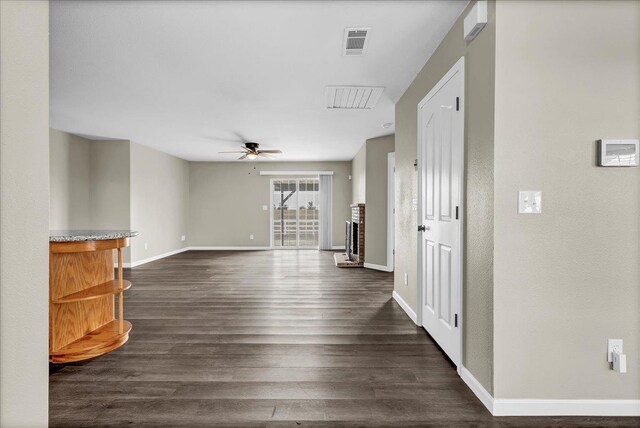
(203, 248)
(153, 258)
(377, 267)
(477, 388)
(405, 307)
(535, 407)
(338, 247)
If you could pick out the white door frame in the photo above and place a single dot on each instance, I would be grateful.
(457, 68)
(391, 168)
(271, 213)
(271, 243)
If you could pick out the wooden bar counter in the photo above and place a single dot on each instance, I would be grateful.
(82, 291)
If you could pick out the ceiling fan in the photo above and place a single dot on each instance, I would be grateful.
(251, 151)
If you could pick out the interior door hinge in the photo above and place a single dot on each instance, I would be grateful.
(457, 214)
(457, 103)
(456, 320)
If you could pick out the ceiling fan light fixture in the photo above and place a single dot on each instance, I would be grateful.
(252, 156)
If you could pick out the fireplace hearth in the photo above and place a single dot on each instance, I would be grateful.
(354, 240)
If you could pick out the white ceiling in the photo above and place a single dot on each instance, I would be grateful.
(188, 77)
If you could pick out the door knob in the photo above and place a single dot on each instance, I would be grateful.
(423, 228)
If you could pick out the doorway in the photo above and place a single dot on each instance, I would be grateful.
(295, 219)
(391, 210)
(440, 199)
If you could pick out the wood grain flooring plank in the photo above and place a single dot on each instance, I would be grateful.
(293, 341)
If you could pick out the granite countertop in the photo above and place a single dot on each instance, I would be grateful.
(89, 235)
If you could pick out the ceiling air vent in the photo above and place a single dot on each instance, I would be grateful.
(355, 41)
(353, 97)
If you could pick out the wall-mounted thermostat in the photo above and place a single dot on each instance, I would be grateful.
(618, 152)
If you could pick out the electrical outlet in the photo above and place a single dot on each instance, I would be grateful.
(406, 279)
(250, 236)
(183, 238)
(614, 345)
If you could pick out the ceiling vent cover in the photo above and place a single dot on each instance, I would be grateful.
(355, 41)
(353, 97)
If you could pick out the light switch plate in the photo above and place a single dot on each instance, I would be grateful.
(265, 208)
(529, 202)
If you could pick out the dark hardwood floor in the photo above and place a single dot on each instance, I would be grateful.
(270, 339)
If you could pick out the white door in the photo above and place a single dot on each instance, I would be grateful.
(440, 151)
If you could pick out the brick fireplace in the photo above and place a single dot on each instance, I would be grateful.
(356, 244)
(354, 240)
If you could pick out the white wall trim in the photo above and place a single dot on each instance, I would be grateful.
(308, 173)
(338, 247)
(405, 306)
(477, 388)
(205, 248)
(391, 202)
(378, 267)
(153, 258)
(536, 407)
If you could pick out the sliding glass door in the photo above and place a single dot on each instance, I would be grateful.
(295, 218)
(308, 218)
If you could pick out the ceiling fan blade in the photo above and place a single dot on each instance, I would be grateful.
(271, 151)
(242, 157)
(223, 140)
(232, 152)
(239, 135)
(266, 155)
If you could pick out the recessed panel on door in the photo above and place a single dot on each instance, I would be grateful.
(445, 147)
(429, 276)
(430, 169)
(444, 284)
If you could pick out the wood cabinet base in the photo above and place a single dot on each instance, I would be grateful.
(82, 291)
(98, 342)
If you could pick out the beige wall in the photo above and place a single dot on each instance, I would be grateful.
(375, 240)
(89, 182)
(358, 178)
(226, 198)
(24, 213)
(109, 202)
(119, 185)
(159, 202)
(479, 56)
(568, 279)
(69, 157)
